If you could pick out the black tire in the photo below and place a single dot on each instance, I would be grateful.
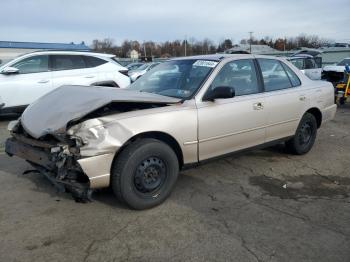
(144, 173)
(304, 137)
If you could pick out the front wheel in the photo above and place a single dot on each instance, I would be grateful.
(305, 135)
(144, 174)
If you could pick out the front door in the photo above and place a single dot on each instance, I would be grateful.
(32, 81)
(227, 125)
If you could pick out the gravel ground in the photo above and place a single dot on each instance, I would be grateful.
(264, 205)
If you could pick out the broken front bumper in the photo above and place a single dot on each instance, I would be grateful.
(68, 173)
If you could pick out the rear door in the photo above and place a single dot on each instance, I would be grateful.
(32, 81)
(227, 125)
(285, 102)
(71, 70)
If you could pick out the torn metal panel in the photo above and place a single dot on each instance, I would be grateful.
(68, 103)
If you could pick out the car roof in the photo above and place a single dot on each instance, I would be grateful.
(299, 56)
(220, 57)
(63, 52)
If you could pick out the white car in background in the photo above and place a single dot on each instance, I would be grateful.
(28, 77)
(335, 73)
(308, 62)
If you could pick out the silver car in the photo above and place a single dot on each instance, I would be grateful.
(181, 113)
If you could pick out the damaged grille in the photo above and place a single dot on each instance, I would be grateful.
(56, 158)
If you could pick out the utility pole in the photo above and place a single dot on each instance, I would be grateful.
(186, 45)
(144, 50)
(250, 41)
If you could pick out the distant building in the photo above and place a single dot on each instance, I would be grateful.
(256, 49)
(134, 55)
(10, 49)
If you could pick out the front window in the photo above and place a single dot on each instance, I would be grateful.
(178, 78)
(344, 62)
(240, 75)
(33, 64)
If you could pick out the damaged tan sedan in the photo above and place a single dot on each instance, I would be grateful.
(180, 113)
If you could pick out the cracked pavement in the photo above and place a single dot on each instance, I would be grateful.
(265, 205)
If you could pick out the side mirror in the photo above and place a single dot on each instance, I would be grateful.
(10, 70)
(219, 92)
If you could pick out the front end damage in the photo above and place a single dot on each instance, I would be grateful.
(57, 159)
(73, 143)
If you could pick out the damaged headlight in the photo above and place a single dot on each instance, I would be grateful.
(87, 131)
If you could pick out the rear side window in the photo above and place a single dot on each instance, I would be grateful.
(67, 62)
(92, 61)
(33, 64)
(274, 75)
(294, 79)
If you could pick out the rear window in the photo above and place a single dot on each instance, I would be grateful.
(294, 79)
(298, 63)
(92, 61)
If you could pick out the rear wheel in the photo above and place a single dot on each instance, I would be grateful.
(144, 174)
(305, 135)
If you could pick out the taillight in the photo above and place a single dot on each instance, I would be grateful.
(124, 72)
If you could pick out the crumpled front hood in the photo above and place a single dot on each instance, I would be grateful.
(51, 113)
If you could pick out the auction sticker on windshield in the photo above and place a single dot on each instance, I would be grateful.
(205, 63)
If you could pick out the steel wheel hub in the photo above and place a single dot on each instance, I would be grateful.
(150, 175)
(305, 133)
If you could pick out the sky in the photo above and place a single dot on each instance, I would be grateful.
(65, 21)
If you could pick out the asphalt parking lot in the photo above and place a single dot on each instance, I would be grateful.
(265, 205)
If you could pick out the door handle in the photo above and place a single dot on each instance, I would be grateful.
(43, 81)
(89, 76)
(258, 106)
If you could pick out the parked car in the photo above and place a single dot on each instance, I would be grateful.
(134, 66)
(137, 139)
(335, 73)
(308, 62)
(28, 77)
(137, 73)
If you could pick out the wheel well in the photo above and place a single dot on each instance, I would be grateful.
(317, 114)
(164, 137)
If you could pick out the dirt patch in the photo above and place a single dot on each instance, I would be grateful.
(301, 186)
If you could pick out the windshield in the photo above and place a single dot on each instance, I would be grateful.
(178, 78)
(344, 62)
